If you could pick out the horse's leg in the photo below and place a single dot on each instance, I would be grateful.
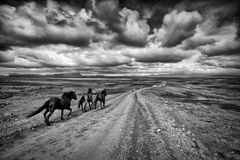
(95, 104)
(79, 104)
(89, 104)
(45, 113)
(70, 111)
(103, 102)
(62, 114)
(85, 106)
(49, 115)
(82, 106)
(92, 107)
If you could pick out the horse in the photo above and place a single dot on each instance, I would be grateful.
(55, 103)
(101, 98)
(81, 102)
(89, 98)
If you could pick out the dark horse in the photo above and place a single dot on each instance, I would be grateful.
(56, 103)
(89, 98)
(81, 103)
(101, 98)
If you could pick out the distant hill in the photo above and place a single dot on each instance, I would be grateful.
(66, 75)
(16, 75)
(61, 75)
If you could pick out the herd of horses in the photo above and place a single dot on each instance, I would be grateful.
(65, 102)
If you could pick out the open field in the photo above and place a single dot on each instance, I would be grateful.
(188, 118)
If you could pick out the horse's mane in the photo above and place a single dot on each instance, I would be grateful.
(104, 92)
(89, 90)
(67, 94)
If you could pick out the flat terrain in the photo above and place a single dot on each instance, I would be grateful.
(188, 118)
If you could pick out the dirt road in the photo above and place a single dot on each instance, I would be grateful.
(134, 125)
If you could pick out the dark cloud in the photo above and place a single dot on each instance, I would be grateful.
(107, 11)
(163, 55)
(177, 26)
(226, 43)
(130, 29)
(140, 34)
(220, 12)
(4, 47)
(156, 20)
(4, 57)
(32, 25)
(222, 51)
(180, 26)
(161, 59)
(221, 61)
(193, 43)
(131, 41)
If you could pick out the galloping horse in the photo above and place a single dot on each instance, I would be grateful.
(101, 98)
(56, 103)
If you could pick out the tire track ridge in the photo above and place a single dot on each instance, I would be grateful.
(149, 109)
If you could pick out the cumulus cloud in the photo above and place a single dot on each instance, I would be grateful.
(194, 42)
(199, 39)
(129, 28)
(226, 42)
(177, 26)
(31, 24)
(134, 31)
(112, 36)
(107, 11)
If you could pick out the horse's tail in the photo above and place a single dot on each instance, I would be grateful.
(45, 105)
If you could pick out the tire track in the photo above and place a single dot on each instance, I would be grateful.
(148, 111)
(140, 146)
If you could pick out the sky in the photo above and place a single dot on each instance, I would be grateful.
(120, 37)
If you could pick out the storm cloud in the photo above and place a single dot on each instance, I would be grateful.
(118, 36)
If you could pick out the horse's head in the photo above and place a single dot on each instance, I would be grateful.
(104, 92)
(73, 95)
(70, 95)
